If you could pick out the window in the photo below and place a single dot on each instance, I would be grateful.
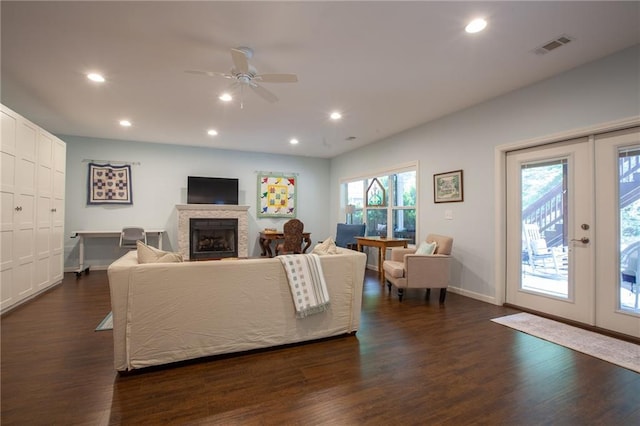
(383, 199)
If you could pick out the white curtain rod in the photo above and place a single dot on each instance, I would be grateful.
(129, 163)
(261, 172)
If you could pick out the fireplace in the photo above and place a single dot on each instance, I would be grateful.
(218, 245)
(213, 238)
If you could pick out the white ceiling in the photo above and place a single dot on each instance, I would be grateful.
(387, 66)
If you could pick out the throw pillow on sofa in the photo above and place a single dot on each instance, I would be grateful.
(328, 246)
(148, 254)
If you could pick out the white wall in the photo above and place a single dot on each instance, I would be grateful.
(599, 92)
(160, 181)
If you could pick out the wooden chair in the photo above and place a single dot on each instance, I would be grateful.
(292, 230)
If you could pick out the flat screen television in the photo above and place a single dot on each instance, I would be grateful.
(212, 190)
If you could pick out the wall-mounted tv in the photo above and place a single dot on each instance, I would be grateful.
(212, 190)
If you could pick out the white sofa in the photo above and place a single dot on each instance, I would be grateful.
(168, 312)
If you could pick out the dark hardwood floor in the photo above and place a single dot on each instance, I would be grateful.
(413, 362)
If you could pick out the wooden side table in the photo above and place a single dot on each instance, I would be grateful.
(267, 237)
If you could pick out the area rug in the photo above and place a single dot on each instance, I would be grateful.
(106, 323)
(619, 352)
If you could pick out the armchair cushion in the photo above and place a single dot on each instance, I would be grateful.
(393, 269)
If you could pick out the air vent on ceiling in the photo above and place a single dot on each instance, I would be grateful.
(553, 44)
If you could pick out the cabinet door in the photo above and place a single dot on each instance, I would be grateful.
(44, 207)
(25, 197)
(7, 205)
(17, 224)
(57, 211)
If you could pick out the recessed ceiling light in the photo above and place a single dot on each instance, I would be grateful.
(335, 115)
(294, 141)
(212, 132)
(95, 77)
(225, 97)
(476, 26)
(125, 123)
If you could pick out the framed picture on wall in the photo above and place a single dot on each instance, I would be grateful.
(447, 187)
(277, 195)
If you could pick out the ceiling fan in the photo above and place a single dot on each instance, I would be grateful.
(246, 75)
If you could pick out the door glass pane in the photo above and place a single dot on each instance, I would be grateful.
(544, 241)
(629, 204)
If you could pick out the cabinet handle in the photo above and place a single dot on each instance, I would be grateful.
(53, 210)
(18, 209)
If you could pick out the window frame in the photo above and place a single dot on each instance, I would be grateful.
(390, 205)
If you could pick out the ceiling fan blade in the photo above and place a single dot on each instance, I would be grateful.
(209, 73)
(240, 62)
(264, 93)
(277, 78)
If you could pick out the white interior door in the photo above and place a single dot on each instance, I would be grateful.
(583, 196)
(618, 231)
(550, 229)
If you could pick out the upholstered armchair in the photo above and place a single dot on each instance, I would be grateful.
(426, 267)
(346, 234)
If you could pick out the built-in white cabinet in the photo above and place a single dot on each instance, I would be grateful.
(32, 209)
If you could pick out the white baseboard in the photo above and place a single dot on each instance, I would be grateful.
(31, 297)
(473, 295)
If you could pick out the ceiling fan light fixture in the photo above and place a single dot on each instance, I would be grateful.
(476, 26)
(225, 97)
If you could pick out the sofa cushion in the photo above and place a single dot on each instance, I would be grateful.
(426, 248)
(328, 246)
(148, 254)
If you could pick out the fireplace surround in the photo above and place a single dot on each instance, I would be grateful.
(212, 215)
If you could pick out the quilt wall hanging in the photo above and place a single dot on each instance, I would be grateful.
(109, 184)
(277, 195)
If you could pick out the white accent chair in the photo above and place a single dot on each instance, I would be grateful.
(130, 235)
(406, 269)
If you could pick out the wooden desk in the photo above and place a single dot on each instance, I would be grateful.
(267, 237)
(382, 244)
(104, 234)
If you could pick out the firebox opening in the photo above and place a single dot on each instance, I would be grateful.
(213, 238)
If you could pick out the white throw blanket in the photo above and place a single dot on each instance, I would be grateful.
(306, 281)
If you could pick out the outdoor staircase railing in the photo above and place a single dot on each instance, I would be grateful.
(548, 210)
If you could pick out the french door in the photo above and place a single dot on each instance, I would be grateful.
(573, 221)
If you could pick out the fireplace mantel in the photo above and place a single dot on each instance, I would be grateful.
(212, 211)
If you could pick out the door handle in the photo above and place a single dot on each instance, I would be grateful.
(583, 240)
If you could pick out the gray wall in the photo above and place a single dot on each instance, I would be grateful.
(160, 181)
(599, 92)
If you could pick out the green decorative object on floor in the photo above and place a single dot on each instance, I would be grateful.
(106, 323)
